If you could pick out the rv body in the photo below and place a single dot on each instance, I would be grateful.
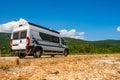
(35, 40)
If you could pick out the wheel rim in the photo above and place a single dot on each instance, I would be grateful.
(38, 53)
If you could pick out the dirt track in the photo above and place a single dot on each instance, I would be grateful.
(73, 67)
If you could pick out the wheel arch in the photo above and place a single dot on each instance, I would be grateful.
(38, 48)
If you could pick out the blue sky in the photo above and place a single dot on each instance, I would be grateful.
(98, 19)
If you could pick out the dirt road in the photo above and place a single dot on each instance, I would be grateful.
(73, 67)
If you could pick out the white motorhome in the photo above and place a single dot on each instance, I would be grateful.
(35, 40)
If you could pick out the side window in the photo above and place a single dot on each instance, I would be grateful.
(55, 39)
(23, 34)
(15, 35)
(50, 38)
(44, 36)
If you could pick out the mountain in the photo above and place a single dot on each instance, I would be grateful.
(76, 45)
(101, 43)
(102, 46)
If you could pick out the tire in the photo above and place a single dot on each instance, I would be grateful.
(65, 53)
(37, 54)
(21, 55)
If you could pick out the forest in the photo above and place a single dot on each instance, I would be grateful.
(77, 46)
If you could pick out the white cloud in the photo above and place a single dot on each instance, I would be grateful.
(72, 34)
(118, 28)
(8, 27)
(81, 33)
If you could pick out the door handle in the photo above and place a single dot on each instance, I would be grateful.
(20, 41)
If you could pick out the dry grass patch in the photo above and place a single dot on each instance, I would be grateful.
(6, 62)
(73, 67)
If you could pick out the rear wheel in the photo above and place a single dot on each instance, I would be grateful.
(37, 54)
(21, 55)
(65, 53)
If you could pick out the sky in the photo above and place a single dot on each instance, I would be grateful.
(81, 19)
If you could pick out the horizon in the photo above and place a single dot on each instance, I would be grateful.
(89, 20)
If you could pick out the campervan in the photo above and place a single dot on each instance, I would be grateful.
(35, 40)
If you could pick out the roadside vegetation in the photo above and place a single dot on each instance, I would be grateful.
(93, 47)
(4, 43)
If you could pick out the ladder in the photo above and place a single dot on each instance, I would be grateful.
(28, 52)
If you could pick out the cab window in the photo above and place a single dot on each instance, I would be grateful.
(62, 41)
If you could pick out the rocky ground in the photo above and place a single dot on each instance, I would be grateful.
(73, 67)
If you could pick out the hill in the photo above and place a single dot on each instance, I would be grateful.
(76, 45)
(102, 46)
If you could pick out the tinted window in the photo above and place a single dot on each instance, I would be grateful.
(55, 39)
(23, 34)
(19, 35)
(16, 35)
(45, 37)
(49, 38)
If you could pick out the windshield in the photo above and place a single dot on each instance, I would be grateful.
(19, 35)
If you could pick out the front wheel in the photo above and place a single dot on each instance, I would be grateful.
(65, 53)
(52, 55)
(37, 54)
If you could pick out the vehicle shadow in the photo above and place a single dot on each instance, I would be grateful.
(46, 56)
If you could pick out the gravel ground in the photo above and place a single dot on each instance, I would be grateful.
(73, 67)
